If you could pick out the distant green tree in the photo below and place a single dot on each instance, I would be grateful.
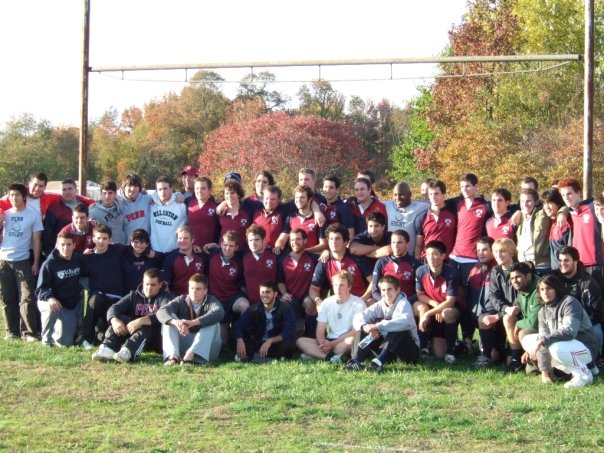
(406, 164)
(28, 145)
(320, 99)
(257, 86)
(200, 109)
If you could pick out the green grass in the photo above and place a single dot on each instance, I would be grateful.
(58, 400)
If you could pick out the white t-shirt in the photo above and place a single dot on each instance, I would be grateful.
(339, 316)
(405, 219)
(34, 203)
(19, 227)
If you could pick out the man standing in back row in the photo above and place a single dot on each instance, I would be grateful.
(167, 215)
(402, 212)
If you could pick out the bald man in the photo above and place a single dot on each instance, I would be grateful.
(403, 211)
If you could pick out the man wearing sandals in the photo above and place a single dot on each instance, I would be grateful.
(191, 331)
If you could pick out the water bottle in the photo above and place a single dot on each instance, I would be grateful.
(365, 342)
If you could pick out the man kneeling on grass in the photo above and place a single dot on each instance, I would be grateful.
(336, 314)
(267, 330)
(133, 324)
(59, 292)
(191, 332)
(388, 325)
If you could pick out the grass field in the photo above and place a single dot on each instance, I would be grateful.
(59, 400)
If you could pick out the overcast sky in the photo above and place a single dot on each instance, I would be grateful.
(42, 42)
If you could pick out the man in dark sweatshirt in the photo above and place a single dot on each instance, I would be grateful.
(267, 330)
(138, 258)
(106, 284)
(133, 325)
(59, 292)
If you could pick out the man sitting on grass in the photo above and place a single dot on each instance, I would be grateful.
(267, 330)
(336, 314)
(133, 325)
(191, 332)
(390, 324)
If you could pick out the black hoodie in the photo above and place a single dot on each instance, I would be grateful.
(586, 290)
(136, 305)
(60, 278)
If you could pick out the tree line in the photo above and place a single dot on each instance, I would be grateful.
(500, 126)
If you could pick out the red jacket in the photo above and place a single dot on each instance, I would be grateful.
(45, 201)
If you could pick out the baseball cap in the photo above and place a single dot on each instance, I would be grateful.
(190, 170)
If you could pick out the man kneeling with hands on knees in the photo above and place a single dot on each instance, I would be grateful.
(133, 324)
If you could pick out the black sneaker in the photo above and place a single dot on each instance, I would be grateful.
(460, 348)
(514, 366)
(353, 365)
(258, 359)
(375, 368)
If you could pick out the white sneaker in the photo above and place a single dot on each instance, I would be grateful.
(450, 359)
(306, 358)
(482, 362)
(336, 359)
(87, 346)
(123, 356)
(579, 381)
(103, 354)
(594, 371)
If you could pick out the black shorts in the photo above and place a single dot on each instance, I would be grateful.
(227, 306)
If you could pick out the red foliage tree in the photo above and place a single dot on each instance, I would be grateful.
(284, 144)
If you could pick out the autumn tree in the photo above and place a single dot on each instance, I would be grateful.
(498, 125)
(283, 143)
(162, 137)
(244, 109)
(489, 28)
(379, 126)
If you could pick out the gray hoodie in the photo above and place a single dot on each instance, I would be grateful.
(112, 216)
(564, 319)
(136, 213)
(395, 318)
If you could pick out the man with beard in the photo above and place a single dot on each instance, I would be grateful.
(579, 284)
(402, 212)
(266, 330)
(523, 315)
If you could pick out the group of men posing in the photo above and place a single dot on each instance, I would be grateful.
(184, 273)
